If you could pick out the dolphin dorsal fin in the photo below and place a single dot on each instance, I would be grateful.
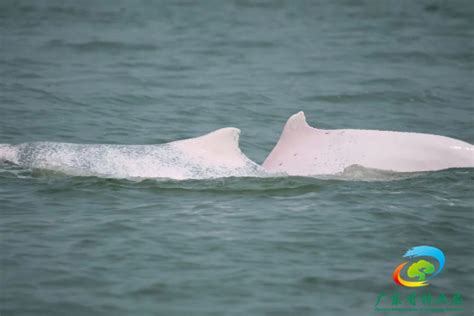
(296, 122)
(218, 147)
(224, 141)
(221, 140)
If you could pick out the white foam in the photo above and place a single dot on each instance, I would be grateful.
(8, 153)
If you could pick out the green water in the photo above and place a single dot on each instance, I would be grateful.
(129, 72)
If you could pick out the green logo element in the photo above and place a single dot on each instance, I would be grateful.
(420, 269)
(419, 302)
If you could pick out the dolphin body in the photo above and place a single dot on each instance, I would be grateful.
(301, 151)
(306, 151)
(213, 155)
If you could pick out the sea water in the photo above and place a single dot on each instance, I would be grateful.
(150, 72)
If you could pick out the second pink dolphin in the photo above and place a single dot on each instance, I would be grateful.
(304, 151)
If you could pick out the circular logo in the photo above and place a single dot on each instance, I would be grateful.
(425, 263)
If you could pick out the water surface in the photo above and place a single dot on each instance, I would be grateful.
(126, 72)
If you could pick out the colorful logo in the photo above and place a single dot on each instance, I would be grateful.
(423, 270)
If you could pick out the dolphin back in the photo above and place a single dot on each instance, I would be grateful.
(213, 155)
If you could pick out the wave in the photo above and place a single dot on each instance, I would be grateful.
(93, 46)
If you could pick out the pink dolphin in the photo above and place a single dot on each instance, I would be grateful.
(304, 151)
(213, 155)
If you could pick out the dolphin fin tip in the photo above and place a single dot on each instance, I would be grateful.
(297, 121)
(231, 134)
(224, 139)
